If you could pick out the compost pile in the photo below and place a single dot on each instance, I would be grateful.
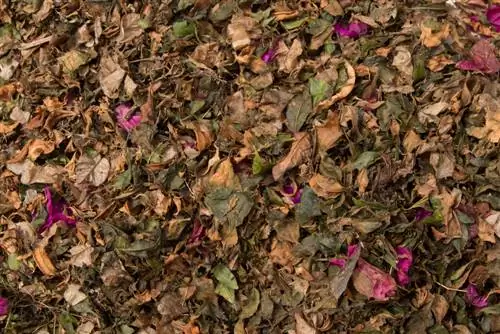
(249, 166)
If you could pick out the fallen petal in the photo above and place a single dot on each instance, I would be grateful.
(4, 306)
(493, 16)
(352, 30)
(472, 297)
(125, 119)
(373, 282)
(405, 260)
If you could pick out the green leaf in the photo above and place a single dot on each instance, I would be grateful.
(225, 276)
(225, 292)
(123, 180)
(309, 206)
(365, 159)
(258, 164)
(299, 108)
(223, 10)
(183, 29)
(227, 283)
(291, 25)
(319, 90)
(251, 305)
(12, 262)
(234, 206)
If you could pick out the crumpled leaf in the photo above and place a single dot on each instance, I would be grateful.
(43, 261)
(251, 305)
(308, 207)
(299, 152)
(31, 173)
(432, 39)
(343, 92)
(324, 186)
(319, 90)
(491, 129)
(302, 327)
(93, 169)
(73, 295)
(73, 60)
(130, 28)
(228, 204)
(110, 77)
(330, 132)
(299, 108)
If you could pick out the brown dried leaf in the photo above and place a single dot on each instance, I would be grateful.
(8, 128)
(94, 169)
(301, 149)
(43, 261)
(110, 77)
(224, 176)
(203, 132)
(130, 29)
(31, 173)
(38, 147)
(344, 91)
(302, 327)
(438, 63)
(330, 132)
(491, 129)
(439, 308)
(325, 187)
(81, 255)
(430, 39)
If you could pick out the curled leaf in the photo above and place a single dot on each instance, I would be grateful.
(300, 150)
(43, 261)
(343, 92)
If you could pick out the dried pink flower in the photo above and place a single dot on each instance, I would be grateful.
(405, 260)
(127, 118)
(493, 16)
(269, 55)
(472, 297)
(56, 211)
(373, 282)
(197, 234)
(4, 306)
(482, 58)
(353, 30)
(341, 262)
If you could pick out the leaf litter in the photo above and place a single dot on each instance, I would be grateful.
(249, 167)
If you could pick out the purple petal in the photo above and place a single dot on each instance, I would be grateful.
(269, 55)
(338, 262)
(4, 306)
(405, 260)
(468, 65)
(422, 214)
(472, 297)
(125, 120)
(351, 249)
(352, 30)
(55, 212)
(297, 197)
(493, 16)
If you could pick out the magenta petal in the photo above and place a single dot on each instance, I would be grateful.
(468, 65)
(269, 56)
(352, 30)
(297, 197)
(472, 297)
(122, 114)
(405, 260)
(493, 16)
(55, 212)
(351, 249)
(4, 306)
(338, 262)
(422, 214)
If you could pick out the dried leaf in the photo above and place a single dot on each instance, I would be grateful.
(343, 92)
(431, 39)
(299, 108)
(299, 152)
(110, 77)
(43, 262)
(93, 169)
(330, 132)
(302, 327)
(325, 187)
(73, 295)
(31, 173)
